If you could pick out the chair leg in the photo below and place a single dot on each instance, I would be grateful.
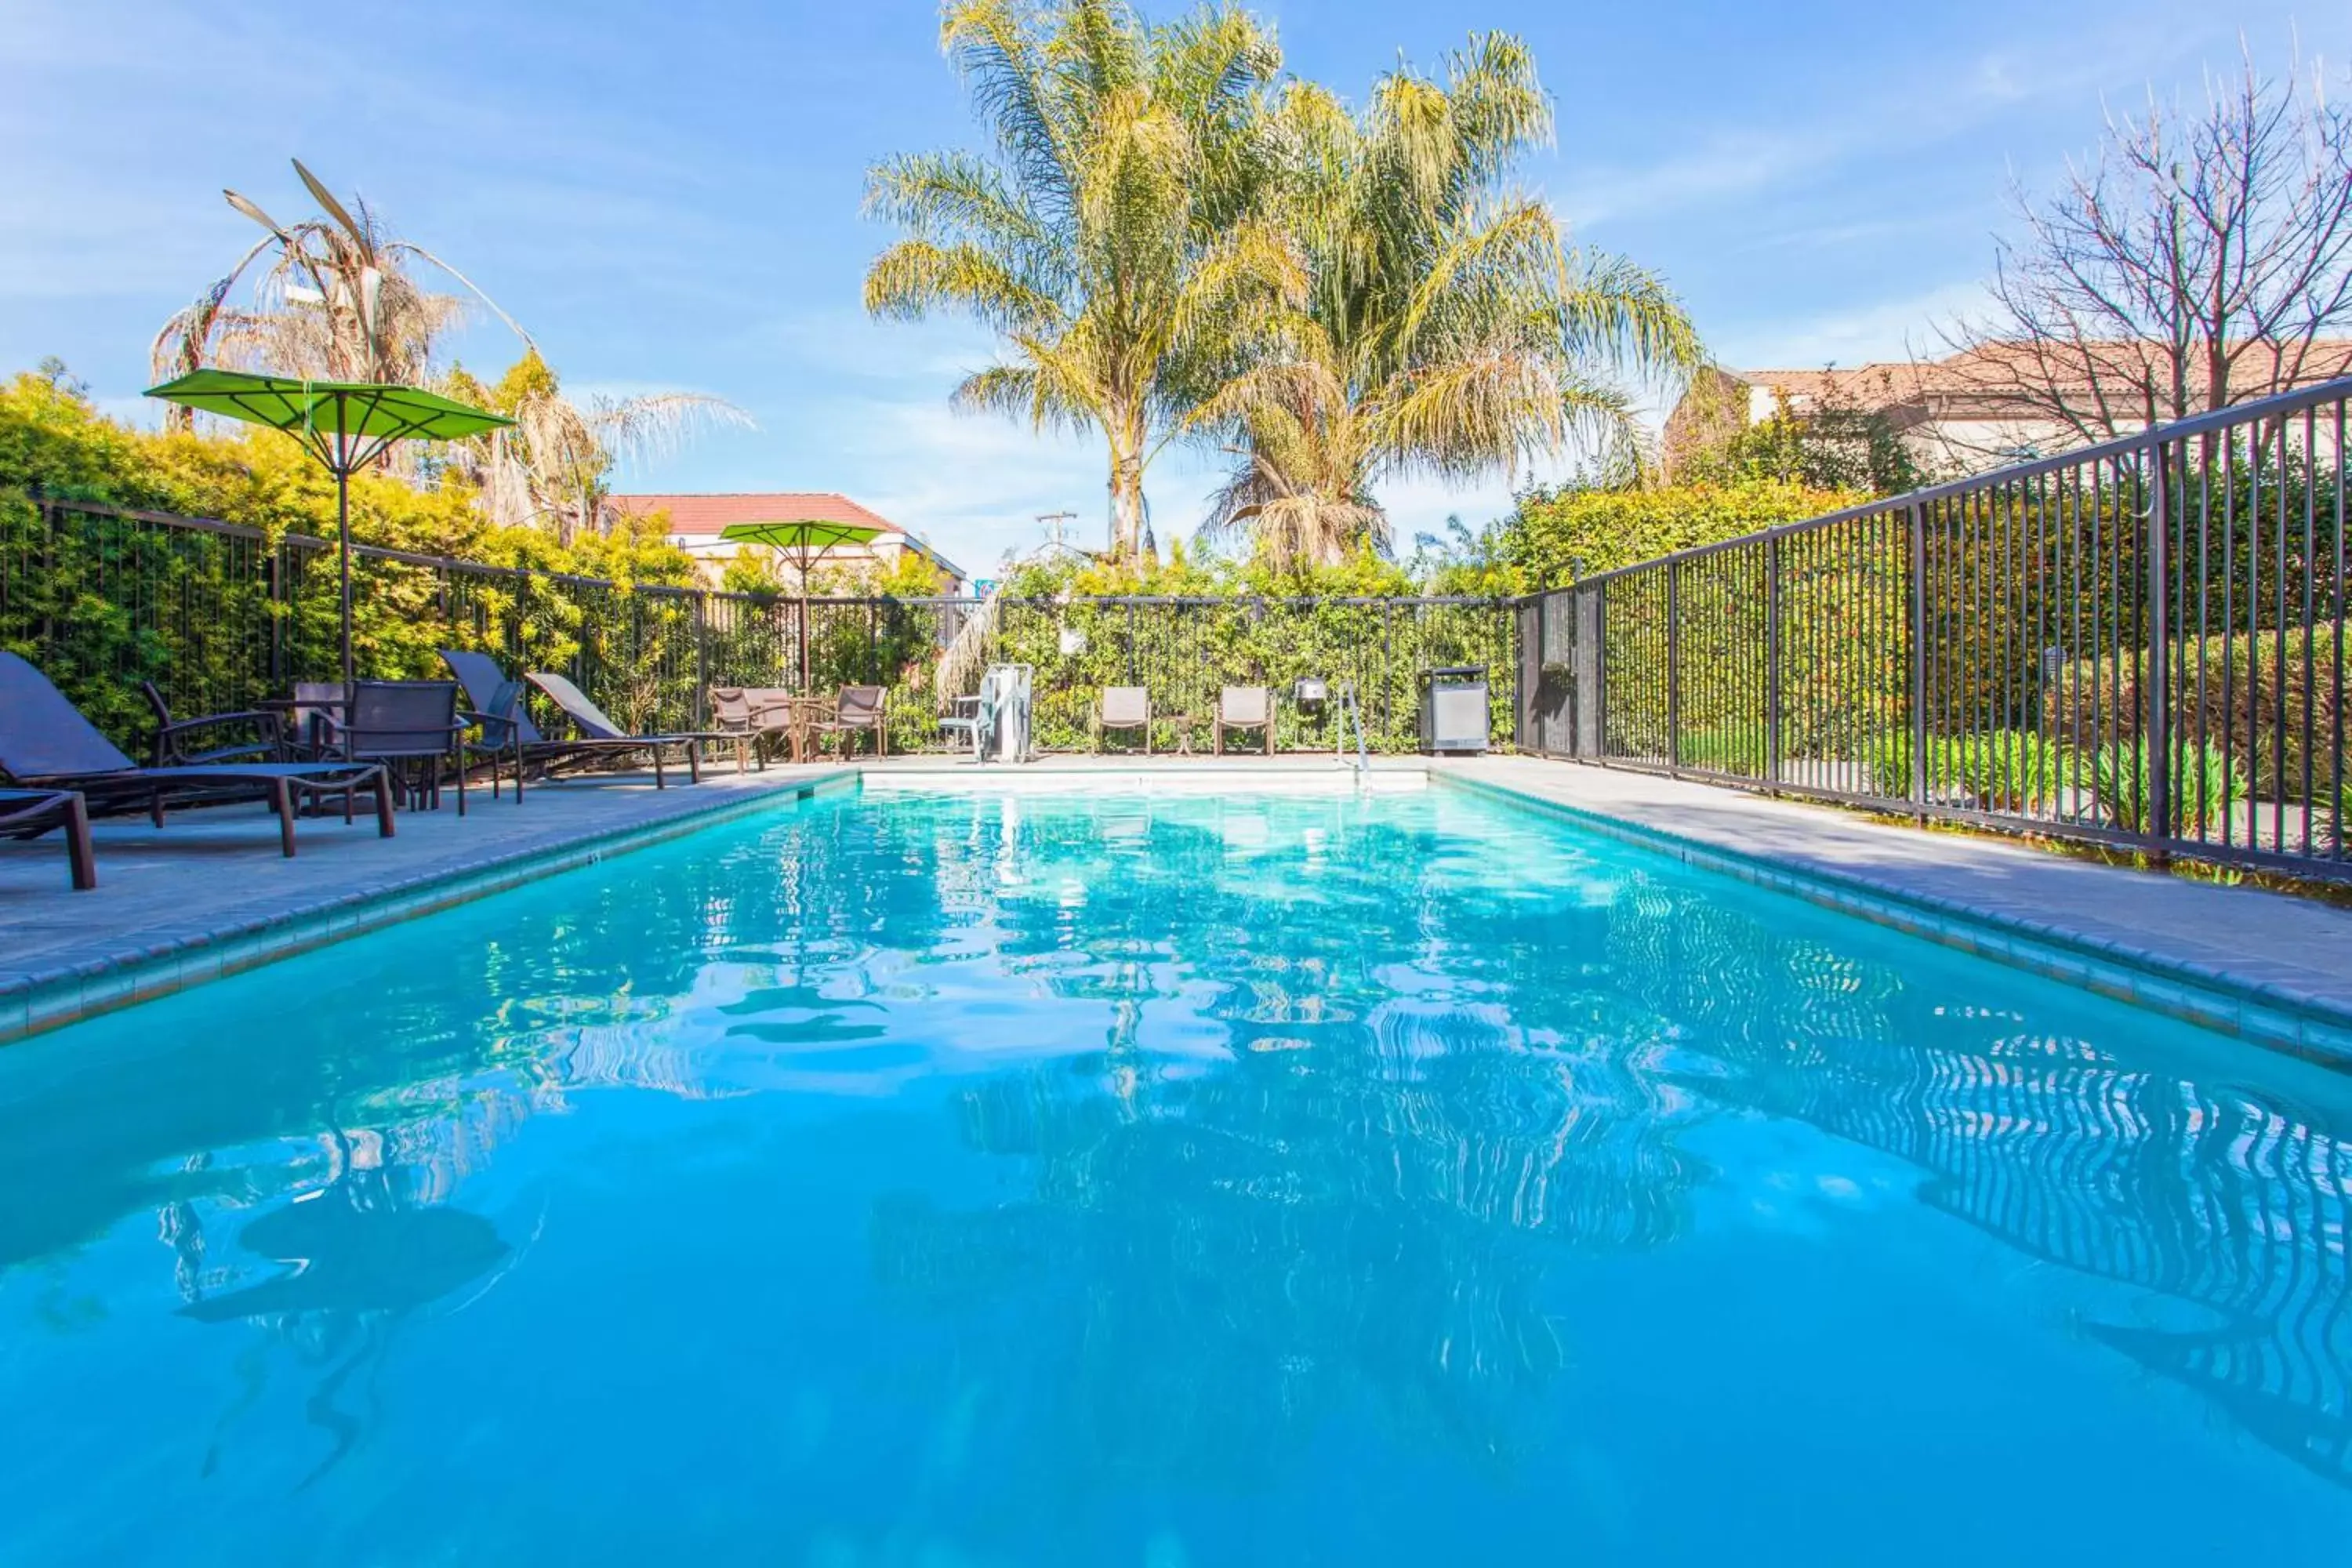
(694, 762)
(1217, 739)
(79, 853)
(461, 783)
(281, 800)
(659, 781)
(383, 820)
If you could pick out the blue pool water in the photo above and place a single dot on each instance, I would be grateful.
(1027, 1179)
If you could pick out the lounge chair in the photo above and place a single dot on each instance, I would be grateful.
(47, 744)
(598, 731)
(1244, 708)
(29, 812)
(1123, 707)
(495, 703)
(859, 707)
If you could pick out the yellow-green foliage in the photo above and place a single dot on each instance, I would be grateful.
(53, 442)
(1553, 537)
(114, 603)
(1241, 625)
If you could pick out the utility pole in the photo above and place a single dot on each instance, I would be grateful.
(1057, 528)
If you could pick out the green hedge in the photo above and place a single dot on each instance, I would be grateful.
(2231, 694)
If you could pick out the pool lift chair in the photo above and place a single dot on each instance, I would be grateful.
(997, 718)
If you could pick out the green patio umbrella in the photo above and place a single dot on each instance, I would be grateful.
(807, 542)
(347, 425)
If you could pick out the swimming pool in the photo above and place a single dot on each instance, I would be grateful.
(1403, 1178)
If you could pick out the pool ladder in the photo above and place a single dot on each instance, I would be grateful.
(1351, 714)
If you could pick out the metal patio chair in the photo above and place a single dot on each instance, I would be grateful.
(860, 709)
(1123, 707)
(1244, 708)
(411, 727)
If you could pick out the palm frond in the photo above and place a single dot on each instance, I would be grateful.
(914, 277)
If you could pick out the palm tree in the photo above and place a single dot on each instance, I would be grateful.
(337, 301)
(1449, 329)
(556, 461)
(1114, 239)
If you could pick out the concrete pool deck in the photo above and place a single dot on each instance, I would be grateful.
(209, 895)
(2269, 965)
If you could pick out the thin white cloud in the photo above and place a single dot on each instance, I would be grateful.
(1904, 327)
(1750, 161)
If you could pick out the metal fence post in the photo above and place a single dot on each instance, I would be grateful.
(2159, 726)
(1916, 784)
(1673, 665)
(1772, 658)
(701, 658)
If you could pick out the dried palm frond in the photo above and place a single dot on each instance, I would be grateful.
(339, 300)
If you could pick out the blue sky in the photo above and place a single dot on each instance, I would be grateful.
(670, 197)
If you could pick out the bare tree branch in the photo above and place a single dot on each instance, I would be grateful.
(2203, 258)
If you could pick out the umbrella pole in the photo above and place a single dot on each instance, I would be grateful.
(343, 542)
(804, 620)
(343, 534)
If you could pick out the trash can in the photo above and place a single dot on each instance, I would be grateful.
(1454, 711)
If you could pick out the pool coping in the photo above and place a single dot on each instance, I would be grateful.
(2276, 1017)
(2268, 1013)
(45, 999)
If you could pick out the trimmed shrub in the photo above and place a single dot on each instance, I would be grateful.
(2237, 709)
(2208, 783)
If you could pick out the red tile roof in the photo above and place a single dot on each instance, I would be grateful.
(706, 514)
(702, 517)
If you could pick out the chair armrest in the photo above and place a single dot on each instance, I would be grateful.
(255, 716)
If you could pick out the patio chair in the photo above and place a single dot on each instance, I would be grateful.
(1242, 707)
(29, 812)
(46, 743)
(1123, 707)
(859, 707)
(598, 731)
(411, 727)
(315, 705)
(173, 736)
(753, 714)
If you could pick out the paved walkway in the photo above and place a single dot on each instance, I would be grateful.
(2272, 948)
(211, 893)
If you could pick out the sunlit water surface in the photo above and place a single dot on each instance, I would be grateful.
(1401, 1180)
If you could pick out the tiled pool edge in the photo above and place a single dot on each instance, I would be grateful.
(2271, 1015)
(43, 1002)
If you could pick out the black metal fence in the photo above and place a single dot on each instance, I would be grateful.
(220, 615)
(2140, 643)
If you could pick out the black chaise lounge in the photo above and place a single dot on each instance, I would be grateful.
(495, 703)
(592, 724)
(47, 744)
(29, 812)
